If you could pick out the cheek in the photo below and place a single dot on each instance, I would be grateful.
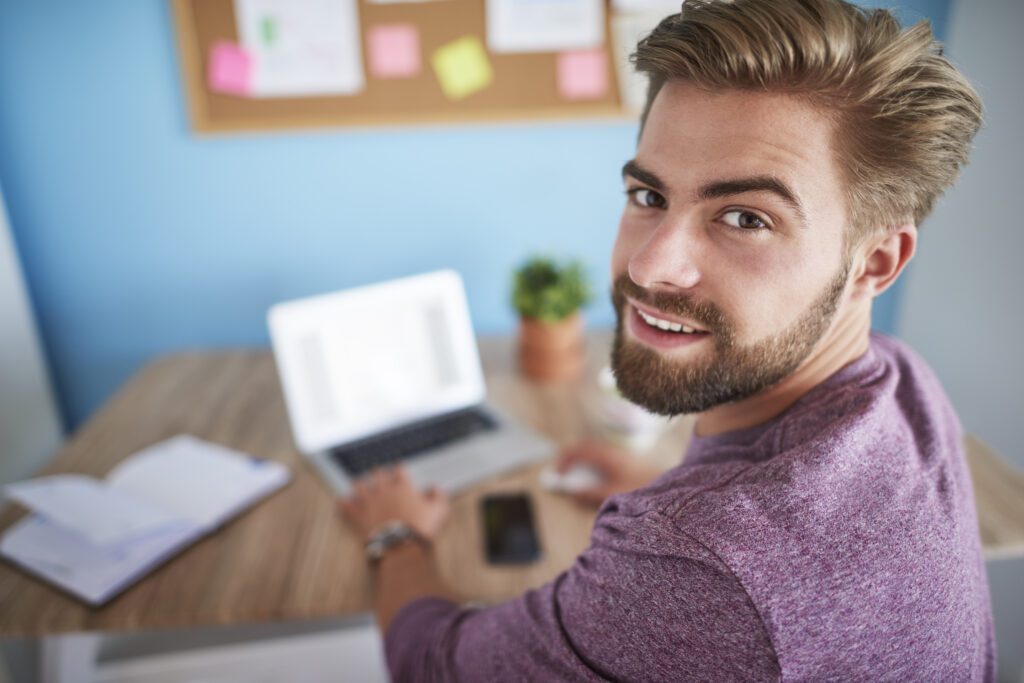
(627, 242)
(788, 284)
(763, 292)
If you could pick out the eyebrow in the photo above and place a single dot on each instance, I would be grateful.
(724, 188)
(632, 168)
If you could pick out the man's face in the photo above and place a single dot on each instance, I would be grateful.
(732, 236)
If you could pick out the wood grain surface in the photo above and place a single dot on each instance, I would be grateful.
(999, 495)
(291, 556)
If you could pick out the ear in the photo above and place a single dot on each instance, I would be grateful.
(882, 258)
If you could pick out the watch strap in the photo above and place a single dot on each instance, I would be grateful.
(388, 536)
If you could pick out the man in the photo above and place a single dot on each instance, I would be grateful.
(821, 524)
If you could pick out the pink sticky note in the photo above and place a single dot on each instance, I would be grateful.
(583, 74)
(394, 51)
(230, 69)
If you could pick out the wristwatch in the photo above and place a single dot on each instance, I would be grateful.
(387, 536)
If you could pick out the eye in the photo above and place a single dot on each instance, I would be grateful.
(646, 199)
(744, 220)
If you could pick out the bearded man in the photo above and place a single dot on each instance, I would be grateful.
(821, 524)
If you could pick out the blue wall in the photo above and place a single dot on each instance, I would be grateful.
(139, 238)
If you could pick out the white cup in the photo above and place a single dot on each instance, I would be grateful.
(621, 421)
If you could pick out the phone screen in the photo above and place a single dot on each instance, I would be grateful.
(510, 536)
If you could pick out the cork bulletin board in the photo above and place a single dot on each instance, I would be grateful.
(523, 87)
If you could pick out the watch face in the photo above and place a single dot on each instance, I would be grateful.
(388, 537)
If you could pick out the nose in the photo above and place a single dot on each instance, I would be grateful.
(668, 259)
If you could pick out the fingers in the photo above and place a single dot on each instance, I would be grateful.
(345, 506)
(587, 452)
(349, 511)
(382, 480)
(592, 496)
(580, 453)
(434, 492)
(566, 459)
(373, 481)
(360, 487)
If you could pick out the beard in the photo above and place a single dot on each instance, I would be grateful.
(733, 372)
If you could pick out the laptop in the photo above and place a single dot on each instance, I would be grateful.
(389, 373)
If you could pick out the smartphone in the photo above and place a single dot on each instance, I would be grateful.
(510, 536)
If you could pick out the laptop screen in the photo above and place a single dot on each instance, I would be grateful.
(380, 361)
(364, 360)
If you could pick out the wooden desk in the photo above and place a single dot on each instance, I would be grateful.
(292, 557)
(999, 494)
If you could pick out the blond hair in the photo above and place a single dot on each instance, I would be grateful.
(904, 115)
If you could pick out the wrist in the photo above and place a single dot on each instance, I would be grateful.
(405, 554)
(389, 537)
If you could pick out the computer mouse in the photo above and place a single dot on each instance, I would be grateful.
(576, 478)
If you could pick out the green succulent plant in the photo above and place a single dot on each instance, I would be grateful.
(548, 291)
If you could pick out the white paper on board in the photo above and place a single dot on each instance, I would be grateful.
(544, 25)
(663, 8)
(627, 30)
(302, 47)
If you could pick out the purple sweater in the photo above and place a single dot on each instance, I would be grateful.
(836, 542)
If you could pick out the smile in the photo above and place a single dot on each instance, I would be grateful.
(667, 325)
(656, 319)
(657, 332)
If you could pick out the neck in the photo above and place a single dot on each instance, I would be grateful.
(846, 340)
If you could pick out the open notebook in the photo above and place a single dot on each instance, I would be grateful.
(94, 538)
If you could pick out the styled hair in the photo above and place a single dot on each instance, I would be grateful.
(904, 116)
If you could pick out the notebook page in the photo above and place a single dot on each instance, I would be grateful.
(99, 513)
(198, 480)
(91, 572)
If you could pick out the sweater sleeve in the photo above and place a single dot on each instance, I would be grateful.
(642, 602)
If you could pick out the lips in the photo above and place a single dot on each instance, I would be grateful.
(666, 322)
(655, 335)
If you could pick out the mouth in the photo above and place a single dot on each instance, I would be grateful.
(662, 331)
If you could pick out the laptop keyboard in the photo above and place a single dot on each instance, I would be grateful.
(409, 441)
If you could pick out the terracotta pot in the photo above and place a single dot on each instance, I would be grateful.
(550, 352)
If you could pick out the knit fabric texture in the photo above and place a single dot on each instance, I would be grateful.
(837, 541)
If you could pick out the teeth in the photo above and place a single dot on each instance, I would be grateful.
(665, 325)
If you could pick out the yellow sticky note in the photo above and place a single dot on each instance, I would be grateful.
(462, 67)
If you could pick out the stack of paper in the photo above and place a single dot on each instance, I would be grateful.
(94, 538)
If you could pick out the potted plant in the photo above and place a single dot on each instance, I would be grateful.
(548, 297)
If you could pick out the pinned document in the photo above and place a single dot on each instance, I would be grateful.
(583, 75)
(462, 67)
(394, 51)
(627, 31)
(544, 25)
(660, 8)
(301, 47)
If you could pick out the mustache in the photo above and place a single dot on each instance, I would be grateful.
(704, 313)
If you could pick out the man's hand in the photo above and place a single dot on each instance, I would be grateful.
(388, 495)
(620, 470)
(407, 572)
